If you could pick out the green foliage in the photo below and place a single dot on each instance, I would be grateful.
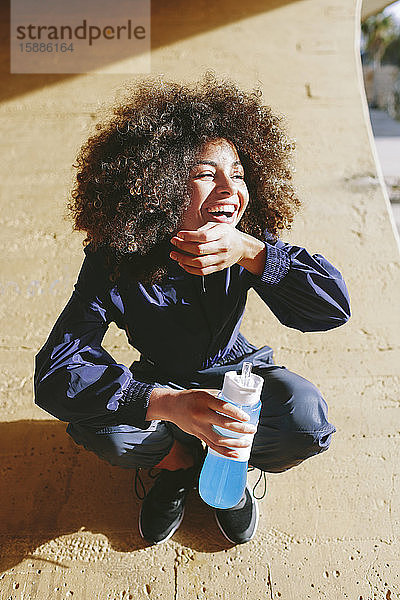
(378, 32)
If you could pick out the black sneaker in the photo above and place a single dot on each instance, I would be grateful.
(239, 524)
(163, 507)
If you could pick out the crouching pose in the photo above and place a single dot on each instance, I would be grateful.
(183, 193)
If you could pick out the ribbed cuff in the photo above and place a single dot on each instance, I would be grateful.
(134, 403)
(277, 265)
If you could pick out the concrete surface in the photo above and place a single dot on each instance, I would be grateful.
(329, 528)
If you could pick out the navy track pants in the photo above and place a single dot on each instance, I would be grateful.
(293, 423)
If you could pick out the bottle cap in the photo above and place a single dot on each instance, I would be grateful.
(237, 392)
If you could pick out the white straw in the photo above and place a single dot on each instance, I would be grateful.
(246, 372)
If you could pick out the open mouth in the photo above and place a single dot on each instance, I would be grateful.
(223, 213)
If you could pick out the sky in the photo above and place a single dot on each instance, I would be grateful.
(394, 9)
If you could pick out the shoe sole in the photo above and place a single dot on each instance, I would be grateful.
(171, 533)
(255, 527)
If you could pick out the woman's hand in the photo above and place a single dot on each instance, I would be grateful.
(212, 247)
(195, 411)
(217, 246)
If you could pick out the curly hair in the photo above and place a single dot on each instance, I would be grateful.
(131, 189)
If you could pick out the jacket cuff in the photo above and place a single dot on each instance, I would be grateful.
(134, 403)
(277, 265)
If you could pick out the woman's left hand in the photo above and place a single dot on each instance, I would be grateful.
(212, 247)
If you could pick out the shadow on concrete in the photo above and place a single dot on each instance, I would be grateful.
(171, 21)
(51, 487)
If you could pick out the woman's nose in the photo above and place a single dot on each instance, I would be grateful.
(225, 184)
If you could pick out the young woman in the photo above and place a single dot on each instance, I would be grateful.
(182, 194)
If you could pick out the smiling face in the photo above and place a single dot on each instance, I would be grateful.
(218, 190)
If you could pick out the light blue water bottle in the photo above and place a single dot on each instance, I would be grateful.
(222, 479)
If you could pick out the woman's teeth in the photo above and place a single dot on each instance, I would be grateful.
(226, 210)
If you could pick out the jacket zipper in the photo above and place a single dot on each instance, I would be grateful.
(203, 303)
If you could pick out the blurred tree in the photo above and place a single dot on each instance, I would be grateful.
(391, 55)
(378, 31)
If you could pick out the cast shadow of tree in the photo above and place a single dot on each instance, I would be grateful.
(50, 487)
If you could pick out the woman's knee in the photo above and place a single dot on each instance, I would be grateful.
(125, 446)
(291, 403)
(310, 411)
(279, 451)
(293, 423)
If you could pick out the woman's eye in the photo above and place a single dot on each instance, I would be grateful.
(210, 174)
(203, 175)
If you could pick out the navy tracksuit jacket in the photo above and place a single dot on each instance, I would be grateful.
(182, 325)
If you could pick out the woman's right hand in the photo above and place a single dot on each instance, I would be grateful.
(196, 411)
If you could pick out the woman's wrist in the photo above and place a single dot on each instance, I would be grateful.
(254, 254)
(162, 404)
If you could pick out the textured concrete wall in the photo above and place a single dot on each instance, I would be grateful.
(328, 528)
